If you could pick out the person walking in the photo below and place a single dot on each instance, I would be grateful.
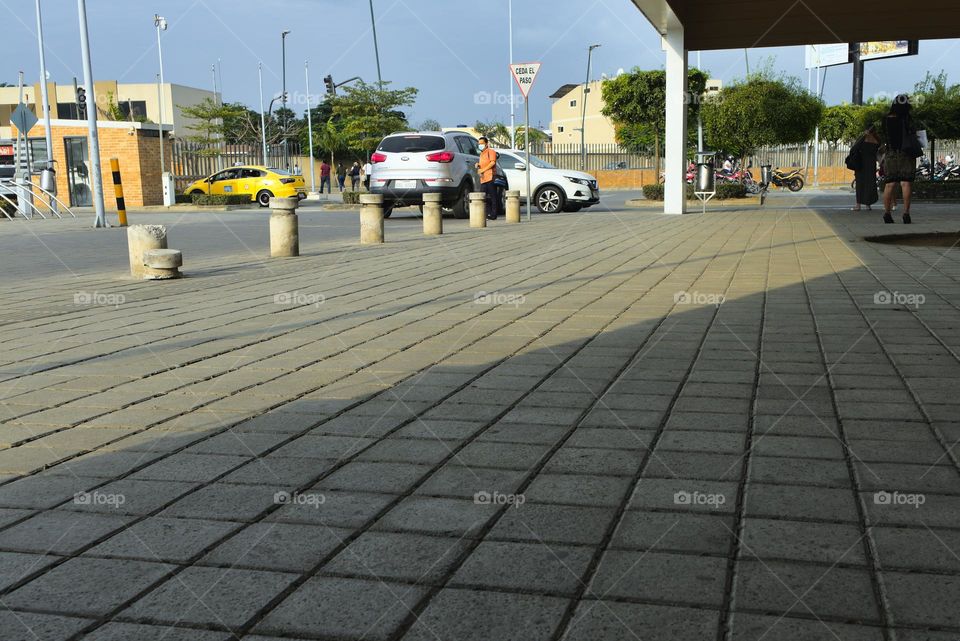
(488, 173)
(900, 152)
(341, 176)
(325, 176)
(367, 172)
(354, 176)
(864, 155)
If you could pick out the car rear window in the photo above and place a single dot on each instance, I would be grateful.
(412, 144)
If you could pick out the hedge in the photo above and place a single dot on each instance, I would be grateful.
(725, 191)
(183, 199)
(351, 197)
(209, 200)
(934, 190)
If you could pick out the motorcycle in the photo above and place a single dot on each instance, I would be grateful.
(792, 180)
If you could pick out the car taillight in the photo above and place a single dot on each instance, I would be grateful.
(378, 157)
(443, 156)
(287, 181)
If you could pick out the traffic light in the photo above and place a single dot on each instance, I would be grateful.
(81, 103)
(331, 87)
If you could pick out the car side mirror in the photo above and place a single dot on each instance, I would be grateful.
(520, 166)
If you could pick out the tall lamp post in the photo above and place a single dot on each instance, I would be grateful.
(161, 24)
(583, 117)
(263, 118)
(513, 110)
(95, 169)
(313, 173)
(46, 103)
(283, 101)
(376, 45)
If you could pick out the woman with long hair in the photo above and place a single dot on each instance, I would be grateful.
(900, 156)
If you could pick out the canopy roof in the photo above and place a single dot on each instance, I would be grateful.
(735, 24)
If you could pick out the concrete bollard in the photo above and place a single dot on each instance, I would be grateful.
(478, 209)
(371, 219)
(432, 215)
(284, 228)
(513, 206)
(141, 239)
(163, 264)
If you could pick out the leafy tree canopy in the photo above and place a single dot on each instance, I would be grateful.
(368, 112)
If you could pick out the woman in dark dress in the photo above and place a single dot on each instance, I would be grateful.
(899, 165)
(866, 149)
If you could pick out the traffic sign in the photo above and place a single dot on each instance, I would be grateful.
(525, 74)
(23, 119)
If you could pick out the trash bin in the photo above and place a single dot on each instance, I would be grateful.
(48, 178)
(766, 175)
(706, 177)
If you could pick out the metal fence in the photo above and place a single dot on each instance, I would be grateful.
(612, 156)
(193, 161)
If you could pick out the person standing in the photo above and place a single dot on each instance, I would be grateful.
(488, 173)
(325, 176)
(341, 176)
(367, 171)
(864, 154)
(354, 176)
(901, 151)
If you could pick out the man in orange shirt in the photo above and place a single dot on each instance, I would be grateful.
(488, 173)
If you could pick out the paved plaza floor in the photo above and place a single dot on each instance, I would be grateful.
(604, 426)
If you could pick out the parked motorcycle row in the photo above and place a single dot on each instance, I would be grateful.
(949, 170)
(791, 179)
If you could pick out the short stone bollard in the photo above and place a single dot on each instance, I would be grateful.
(513, 206)
(162, 264)
(478, 209)
(432, 214)
(141, 239)
(284, 228)
(371, 219)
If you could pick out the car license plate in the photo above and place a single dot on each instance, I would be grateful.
(405, 184)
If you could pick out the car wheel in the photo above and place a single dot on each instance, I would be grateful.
(461, 208)
(264, 198)
(387, 211)
(572, 208)
(195, 192)
(550, 200)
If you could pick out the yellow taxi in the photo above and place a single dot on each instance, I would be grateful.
(260, 183)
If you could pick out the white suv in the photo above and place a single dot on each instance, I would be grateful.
(553, 189)
(408, 165)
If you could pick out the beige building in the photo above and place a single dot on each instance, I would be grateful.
(568, 114)
(137, 101)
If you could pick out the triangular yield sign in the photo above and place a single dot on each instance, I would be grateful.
(525, 74)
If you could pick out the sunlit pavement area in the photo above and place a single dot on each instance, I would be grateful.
(602, 426)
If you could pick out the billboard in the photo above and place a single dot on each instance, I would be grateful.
(888, 49)
(827, 55)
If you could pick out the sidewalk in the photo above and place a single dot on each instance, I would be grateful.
(597, 427)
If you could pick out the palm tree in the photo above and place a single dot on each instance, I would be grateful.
(496, 132)
(537, 137)
(330, 138)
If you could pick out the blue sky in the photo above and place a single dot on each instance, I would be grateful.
(454, 51)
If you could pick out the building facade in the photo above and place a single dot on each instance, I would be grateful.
(567, 115)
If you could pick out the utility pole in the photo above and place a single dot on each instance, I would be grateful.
(313, 172)
(857, 75)
(283, 101)
(161, 24)
(376, 45)
(263, 117)
(699, 116)
(46, 103)
(513, 109)
(96, 175)
(583, 117)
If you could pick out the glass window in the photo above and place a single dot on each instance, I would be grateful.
(412, 144)
(139, 108)
(573, 103)
(538, 162)
(230, 174)
(509, 162)
(468, 145)
(250, 173)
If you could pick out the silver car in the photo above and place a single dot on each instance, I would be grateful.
(408, 165)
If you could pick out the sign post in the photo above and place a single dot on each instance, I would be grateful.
(525, 74)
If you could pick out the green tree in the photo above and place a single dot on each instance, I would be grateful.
(636, 102)
(497, 132)
(330, 139)
(841, 123)
(762, 110)
(368, 112)
(211, 121)
(937, 109)
(430, 125)
(537, 137)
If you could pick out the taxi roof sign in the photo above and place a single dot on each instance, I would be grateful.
(525, 75)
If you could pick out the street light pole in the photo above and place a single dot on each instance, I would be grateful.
(101, 220)
(313, 173)
(263, 117)
(46, 102)
(376, 45)
(583, 118)
(161, 24)
(283, 101)
(513, 110)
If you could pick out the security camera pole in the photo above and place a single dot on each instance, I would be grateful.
(97, 177)
(525, 74)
